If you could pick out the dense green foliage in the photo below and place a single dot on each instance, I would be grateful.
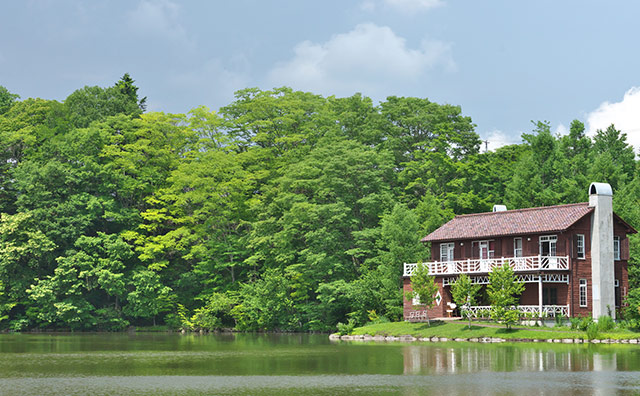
(504, 292)
(423, 289)
(465, 293)
(283, 211)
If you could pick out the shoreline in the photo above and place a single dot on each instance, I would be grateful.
(484, 340)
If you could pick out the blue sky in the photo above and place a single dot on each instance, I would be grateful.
(505, 63)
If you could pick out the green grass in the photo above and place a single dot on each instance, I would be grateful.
(461, 330)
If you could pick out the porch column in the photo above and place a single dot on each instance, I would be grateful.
(540, 294)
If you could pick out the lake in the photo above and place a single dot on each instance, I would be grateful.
(286, 364)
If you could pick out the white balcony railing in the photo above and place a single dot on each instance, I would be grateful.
(479, 266)
(547, 311)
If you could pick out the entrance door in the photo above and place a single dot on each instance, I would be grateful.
(484, 250)
(548, 251)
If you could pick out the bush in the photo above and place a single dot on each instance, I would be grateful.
(559, 320)
(630, 324)
(605, 323)
(592, 331)
(575, 322)
(585, 322)
(344, 329)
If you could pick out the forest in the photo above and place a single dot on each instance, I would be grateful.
(282, 211)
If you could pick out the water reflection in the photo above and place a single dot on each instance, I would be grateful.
(470, 358)
(249, 364)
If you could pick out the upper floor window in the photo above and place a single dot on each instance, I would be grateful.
(517, 247)
(486, 249)
(548, 245)
(616, 248)
(580, 247)
(446, 251)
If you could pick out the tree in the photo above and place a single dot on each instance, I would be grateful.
(504, 292)
(423, 288)
(6, 99)
(149, 297)
(464, 294)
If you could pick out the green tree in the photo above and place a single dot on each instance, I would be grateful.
(504, 292)
(149, 296)
(423, 288)
(6, 99)
(464, 294)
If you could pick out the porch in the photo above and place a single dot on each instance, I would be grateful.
(479, 266)
(483, 312)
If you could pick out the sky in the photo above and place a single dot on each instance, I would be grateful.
(506, 63)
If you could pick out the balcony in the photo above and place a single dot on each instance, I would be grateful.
(483, 266)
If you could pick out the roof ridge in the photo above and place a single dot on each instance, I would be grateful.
(523, 209)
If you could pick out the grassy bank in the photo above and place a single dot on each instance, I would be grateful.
(461, 330)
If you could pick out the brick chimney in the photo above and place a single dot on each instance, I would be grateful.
(602, 270)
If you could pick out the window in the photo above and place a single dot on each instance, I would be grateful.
(517, 247)
(548, 245)
(446, 251)
(580, 246)
(616, 248)
(583, 292)
(486, 249)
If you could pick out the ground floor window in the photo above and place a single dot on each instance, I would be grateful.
(583, 292)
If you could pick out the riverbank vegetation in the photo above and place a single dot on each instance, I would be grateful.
(284, 210)
(457, 329)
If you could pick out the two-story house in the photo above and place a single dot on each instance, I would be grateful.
(572, 258)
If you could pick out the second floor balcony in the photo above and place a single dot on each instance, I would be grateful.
(483, 266)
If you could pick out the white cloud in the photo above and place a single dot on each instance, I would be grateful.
(159, 19)
(625, 115)
(496, 139)
(370, 59)
(562, 130)
(413, 5)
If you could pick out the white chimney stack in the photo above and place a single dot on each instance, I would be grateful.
(602, 269)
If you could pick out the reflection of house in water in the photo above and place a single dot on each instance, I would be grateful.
(441, 359)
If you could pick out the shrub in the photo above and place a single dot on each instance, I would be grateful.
(344, 329)
(605, 323)
(575, 322)
(592, 331)
(559, 320)
(585, 322)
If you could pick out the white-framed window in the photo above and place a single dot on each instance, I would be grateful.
(517, 247)
(548, 245)
(616, 248)
(486, 249)
(446, 251)
(583, 292)
(580, 247)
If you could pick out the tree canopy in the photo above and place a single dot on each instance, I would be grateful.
(284, 210)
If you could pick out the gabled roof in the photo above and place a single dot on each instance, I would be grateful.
(511, 222)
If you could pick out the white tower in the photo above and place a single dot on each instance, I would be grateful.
(602, 272)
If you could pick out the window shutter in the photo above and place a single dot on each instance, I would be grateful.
(624, 248)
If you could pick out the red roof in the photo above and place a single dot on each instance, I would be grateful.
(511, 222)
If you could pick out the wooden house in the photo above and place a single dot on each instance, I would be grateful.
(572, 258)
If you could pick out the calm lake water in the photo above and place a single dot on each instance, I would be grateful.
(244, 364)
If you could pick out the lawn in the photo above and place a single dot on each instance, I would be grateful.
(478, 330)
